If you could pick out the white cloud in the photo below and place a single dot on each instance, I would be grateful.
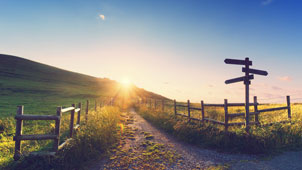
(102, 17)
(285, 78)
(266, 2)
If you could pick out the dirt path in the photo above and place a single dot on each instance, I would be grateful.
(145, 147)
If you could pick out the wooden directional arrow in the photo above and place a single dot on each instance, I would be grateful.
(238, 62)
(254, 71)
(235, 80)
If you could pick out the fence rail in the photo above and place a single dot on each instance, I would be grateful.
(227, 116)
(20, 117)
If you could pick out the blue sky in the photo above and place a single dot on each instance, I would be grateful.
(175, 48)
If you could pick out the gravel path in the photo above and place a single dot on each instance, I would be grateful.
(190, 157)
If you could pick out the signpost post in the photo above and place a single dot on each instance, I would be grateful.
(246, 79)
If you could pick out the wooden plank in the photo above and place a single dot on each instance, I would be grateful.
(236, 104)
(178, 105)
(181, 114)
(37, 117)
(64, 143)
(175, 111)
(19, 125)
(189, 113)
(254, 71)
(57, 130)
(87, 108)
(202, 110)
(239, 104)
(239, 79)
(35, 137)
(288, 107)
(255, 113)
(196, 119)
(226, 117)
(214, 105)
(71, 122)
(79, 113)
(214, 121)
(238, 62)
(67, 109)
(273, 109)
(247, 83)
(232, 115)
(256, 109)
(195, 108)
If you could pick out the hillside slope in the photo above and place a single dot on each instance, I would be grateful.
(40, 88)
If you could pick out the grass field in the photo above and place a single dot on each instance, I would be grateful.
(41, 88)
(93, 140)
(260, 140)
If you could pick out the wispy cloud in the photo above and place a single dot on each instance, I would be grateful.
(102, 17)
(277, 88)
(266, 2)
(285, 78)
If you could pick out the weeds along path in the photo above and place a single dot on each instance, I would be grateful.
(145, 147)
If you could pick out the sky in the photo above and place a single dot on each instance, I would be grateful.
(175, 48)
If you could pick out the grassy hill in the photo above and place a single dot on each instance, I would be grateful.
(40, 88)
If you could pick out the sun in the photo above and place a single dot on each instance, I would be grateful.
(126, 82)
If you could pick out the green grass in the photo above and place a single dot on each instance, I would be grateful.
(260, 140)
(40, 89)
(92, 141)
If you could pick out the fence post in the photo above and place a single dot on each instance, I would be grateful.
(256, 110)
(289, 109)
(163, 105)
(79, 114)
(226, 115)
(175, 111)
(19, 125)
(95, 105)
(87, 108)
(202, 110)
(189, 113)
(57, 130)
(71, 121)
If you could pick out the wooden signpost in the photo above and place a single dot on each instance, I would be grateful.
(249, 75)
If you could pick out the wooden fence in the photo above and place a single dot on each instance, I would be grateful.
(225, 106)
(20, 117)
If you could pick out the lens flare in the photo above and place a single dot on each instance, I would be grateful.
(126, 82)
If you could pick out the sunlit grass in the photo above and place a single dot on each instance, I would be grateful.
(91, 141)
(259, 140)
